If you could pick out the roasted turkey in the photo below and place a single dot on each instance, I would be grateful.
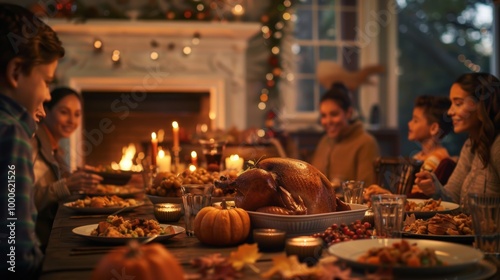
(283, 186)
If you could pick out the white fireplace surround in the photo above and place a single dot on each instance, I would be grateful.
(217, 64)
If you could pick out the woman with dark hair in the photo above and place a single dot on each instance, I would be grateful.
(346, 151)
(53, 179)
(475, 109)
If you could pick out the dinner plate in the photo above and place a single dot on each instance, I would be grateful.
(295, 225)
(449, 207)
(84, 231)
(124, 192)
(462, 239)
(457, 256)
(100, 210)
(175, 199)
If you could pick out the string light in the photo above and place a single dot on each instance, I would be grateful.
(97, 45)
(115, 57)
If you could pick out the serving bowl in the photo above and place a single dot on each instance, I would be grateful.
(295, 225)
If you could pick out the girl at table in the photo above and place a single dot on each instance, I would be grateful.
(475, 109)
(53, 179)
(346, 151)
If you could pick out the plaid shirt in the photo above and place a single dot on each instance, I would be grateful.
(18, 212)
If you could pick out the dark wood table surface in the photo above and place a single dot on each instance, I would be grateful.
(69, 256)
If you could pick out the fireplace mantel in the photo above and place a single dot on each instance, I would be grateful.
(221, 30)
(216, 64)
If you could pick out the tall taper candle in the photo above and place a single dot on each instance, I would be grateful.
(175, 129)
(154, 148)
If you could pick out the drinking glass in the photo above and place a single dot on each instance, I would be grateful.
(353, 191)
(194, 198)
(212, 151)
(388, 213)
(485, 211)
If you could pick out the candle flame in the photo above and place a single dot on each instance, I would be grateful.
(192, 168)
(153, 135)
(194, 154)
(234, 157)
(127, 157)
(161, 153)
(175, 125)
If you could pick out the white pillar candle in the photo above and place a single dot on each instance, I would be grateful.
(163, 161)
(234, 162)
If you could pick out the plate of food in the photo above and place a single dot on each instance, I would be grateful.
(409, 256)
(445, 227)
(306, 224)
(175, 199)
(118, 230)
(121, 191)
(426, 208)
(102, 204)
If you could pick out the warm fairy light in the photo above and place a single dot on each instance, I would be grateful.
(264, 97)
(211, 115)
(115, 57)
(238, 10)
(287, 16)
(261, 133)
(187, 50)
(97, 45)
(264, 29)
(269, 76)
(262, 106)
(154, 55)
(275, 50)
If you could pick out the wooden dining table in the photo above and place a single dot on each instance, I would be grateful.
(69, 256)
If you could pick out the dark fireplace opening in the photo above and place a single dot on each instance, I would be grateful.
(113, 119)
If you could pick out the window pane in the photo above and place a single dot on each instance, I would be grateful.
(326, 22)
(326, 2)
(302, 28)
(327, 53)
(305, 100)
(350, 57)
(348, 23)
(306, 60)
(304, 2)
(348, 3)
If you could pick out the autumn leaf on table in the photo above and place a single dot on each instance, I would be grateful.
(290, 268)
(208, 261)
(246, 254)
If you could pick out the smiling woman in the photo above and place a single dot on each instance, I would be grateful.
(346, 151)
(53, 179)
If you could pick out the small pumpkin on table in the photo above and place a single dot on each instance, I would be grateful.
(222, 226)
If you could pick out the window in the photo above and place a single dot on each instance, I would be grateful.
(323, 30)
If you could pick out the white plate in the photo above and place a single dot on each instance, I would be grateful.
(306, 224)
(84, 231)
(448, 208)
(174, 199)
(464, 239)
(455, 255)
(100, 210)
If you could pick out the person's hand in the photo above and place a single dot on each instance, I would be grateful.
(80, 180)
(373, 189)
(425, 181)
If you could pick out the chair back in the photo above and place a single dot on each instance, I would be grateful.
(396, 174)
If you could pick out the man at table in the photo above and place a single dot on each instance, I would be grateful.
(29, 52)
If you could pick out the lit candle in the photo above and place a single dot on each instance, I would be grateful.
(154, 148)
(269, 239)
(194, 158)
(234, 162)
(192, 168)
(306, 248)
(175, 129)
(164, 161)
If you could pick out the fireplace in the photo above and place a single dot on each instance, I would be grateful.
(211, 80)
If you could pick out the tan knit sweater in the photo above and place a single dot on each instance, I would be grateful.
(350, 156)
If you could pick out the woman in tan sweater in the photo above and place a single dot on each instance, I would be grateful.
(346, 151)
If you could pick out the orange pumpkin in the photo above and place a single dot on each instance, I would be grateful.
(150, 261)
(222, 226)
